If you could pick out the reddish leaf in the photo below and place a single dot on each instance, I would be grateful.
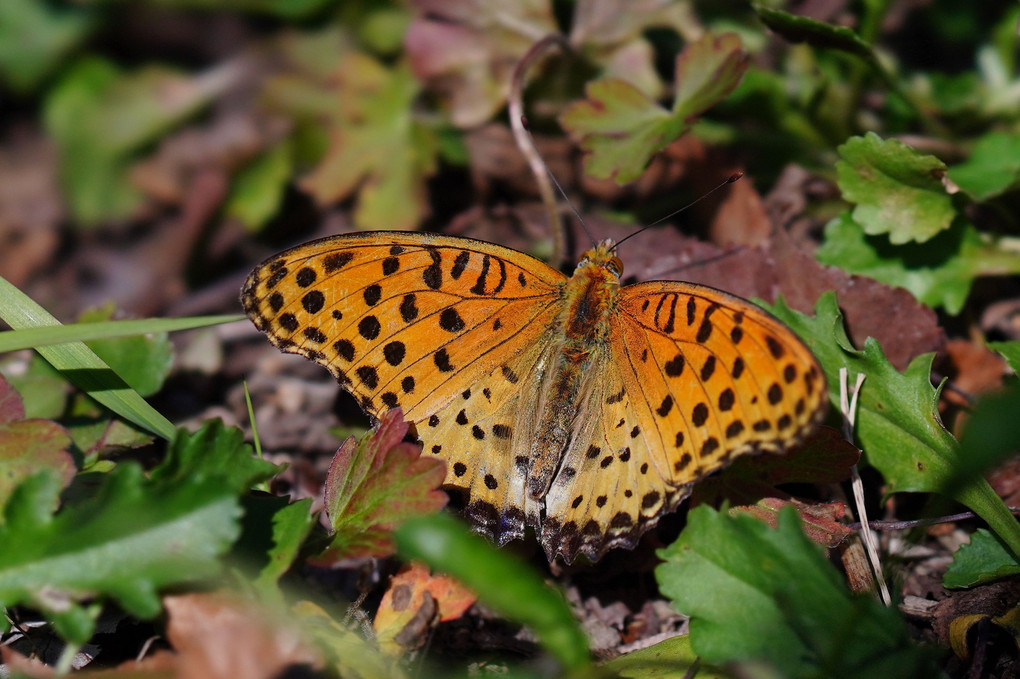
(825, 457)
(820, 520)
(415, 600)
(375, 485)
(28, 446)
(467, 50)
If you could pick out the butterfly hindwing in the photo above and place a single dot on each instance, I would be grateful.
(712, 376)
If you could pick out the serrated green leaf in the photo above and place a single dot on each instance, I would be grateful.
(376, 484)
(35, 37)
(1010, 351)
(897, 190)
(732, 575)
(993, 167)
(81, 366)
(258, 188)
(982, 560)
(100, 116)
(130, 539)
(621, 127)
(214, 451)
(898, 426)
(938, 273)
(500, 581)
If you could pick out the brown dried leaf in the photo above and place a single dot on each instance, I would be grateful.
(217, 635)
(414, 601)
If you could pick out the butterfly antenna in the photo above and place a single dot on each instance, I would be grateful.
(559, 187)
(729, 180)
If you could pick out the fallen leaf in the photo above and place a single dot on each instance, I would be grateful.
(218, 635)
(415, 601)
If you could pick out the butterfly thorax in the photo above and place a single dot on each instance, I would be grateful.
(590, 296)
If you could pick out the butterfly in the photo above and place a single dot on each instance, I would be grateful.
(578, 407)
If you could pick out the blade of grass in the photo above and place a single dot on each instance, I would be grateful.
(33, 338)
(80, 365)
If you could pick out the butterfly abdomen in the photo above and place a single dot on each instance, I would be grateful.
(589, 297)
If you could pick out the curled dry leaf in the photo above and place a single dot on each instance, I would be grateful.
(415, 601)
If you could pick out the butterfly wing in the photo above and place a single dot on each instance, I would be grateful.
(452, 330)
(692, 378)
(406, 319)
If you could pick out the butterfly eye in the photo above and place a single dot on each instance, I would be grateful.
(615, 265)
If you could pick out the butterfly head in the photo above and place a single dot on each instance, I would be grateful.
(603, 256)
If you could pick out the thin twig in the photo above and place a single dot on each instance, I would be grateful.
(919, 523)
(527, 147)
(848, 406)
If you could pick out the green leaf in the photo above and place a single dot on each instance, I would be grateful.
(16, 340)
(622, 128)
(993, 167)
(897, 190)
(501, 582)
(797, 29)
(898, 425)
(669, 659)
(347, 652)
(991, 435)
(759, 594)
(273, 531)
(126, 542)
(939, 272)
(258, 189)
(375, 485)
(81, 366)
(29, 446)
(1010, 351)
(35, 38)
(214, 451)
(982, 560)
(142, 361)
(101, 117)
(376, 148)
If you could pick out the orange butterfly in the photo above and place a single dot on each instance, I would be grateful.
(573, 405)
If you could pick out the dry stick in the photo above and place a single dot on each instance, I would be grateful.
(526, 145)
(848, 407)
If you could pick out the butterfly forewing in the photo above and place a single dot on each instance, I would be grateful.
(403, 318)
